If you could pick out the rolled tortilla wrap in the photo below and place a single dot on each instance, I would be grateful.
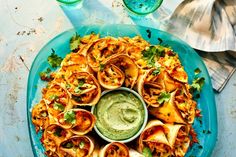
(154, 138)
(102, 49)
(80, 123)
(118, 66)
(56, 133)
(167, 112)
(77, 146)
(40, 117)
(56, 99)
(111, 77)
(173, 66)
(134, 153)
(178, 137)
(75, 62)
(84, 89)
(114, 149)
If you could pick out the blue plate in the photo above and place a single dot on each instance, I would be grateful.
(206, 127)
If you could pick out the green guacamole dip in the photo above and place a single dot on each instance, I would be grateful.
(120, 115)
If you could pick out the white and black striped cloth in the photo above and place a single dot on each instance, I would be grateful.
(210, 27)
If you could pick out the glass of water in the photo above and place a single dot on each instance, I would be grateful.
(142, 7)
(71, 3)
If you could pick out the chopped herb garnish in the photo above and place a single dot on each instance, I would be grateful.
(197, 84)
(70, 117)
(160, 40)
(147, 152)
(77, 89)
(208, 132)
(68, 145)
(101, 67)
(58, 132)
(149, 33)
(76, 98)
(54, 60)
(81, 145)
(156, 71)
(200, 147)
(75, 42)
(197, 71)
(58, 106)
(53, 97)
(163, 97)
(68, 86)
(45, 75)
(152, 53)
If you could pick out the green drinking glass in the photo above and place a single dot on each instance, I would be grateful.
(71, 3)
(142, 7)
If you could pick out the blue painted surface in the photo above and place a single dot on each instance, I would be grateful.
(189, 58)
(23, 17)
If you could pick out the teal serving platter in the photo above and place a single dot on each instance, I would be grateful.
(206, 127)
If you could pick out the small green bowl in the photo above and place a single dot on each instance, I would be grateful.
(140, 129)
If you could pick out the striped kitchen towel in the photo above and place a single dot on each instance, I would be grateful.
(210, 26)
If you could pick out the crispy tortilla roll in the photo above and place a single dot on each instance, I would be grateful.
(40, 116)
(103, 49)
(149, 86)
(185, 104)
(173, 66)
(75, 62)
(178, 137)
(180, 108)
(114, 149)
(134, 153)
(134, 48)
(153, 83)
(167, 112)
(56, 98)
(77, 146)
(84, 89)
(116, 68)
(154, 138)
(56, 133)
(79, 121)
(111, 77)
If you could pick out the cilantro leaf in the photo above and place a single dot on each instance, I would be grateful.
(163, 97)
(197, 71)
(68, 86)
(152, 53)
(197, 84)
(54, 60)
(70, 117)
(53, 97)
(81, 145)
(101, 67)
(147, 152)
(68, 145)
(77, 89)
(58, 106)
(46, 75)
(75, 42)
(156, 71)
